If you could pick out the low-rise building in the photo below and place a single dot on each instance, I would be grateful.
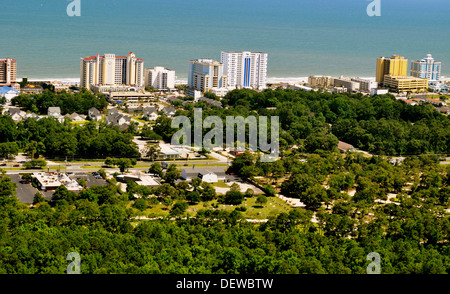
(206, 174)
(346, 83)
(320, 81)
(365, 85)
(345, 147)
(405, 83)
(8, 93)
(379, 91)
(51, 181)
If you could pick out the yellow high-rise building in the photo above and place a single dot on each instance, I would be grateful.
(394, 66)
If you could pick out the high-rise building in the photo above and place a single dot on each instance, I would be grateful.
(8, 71)
(205, 74)
(245, 69)
(160, 78)
(394, 66)
(426, 68)
(112, 70)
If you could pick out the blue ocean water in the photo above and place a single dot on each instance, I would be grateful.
(302, 37)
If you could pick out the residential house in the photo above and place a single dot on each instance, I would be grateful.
(345, 147)
(150, 113)
(33, 115)
(94, 114)
(16, 114)
(76, 117)
(54, 112)
(443, 109)
(118, 119)
(112, 110)
(8, 93)
(169, 111)
(435, 102)
(211, 102)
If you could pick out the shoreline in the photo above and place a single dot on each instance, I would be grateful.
(270, 80)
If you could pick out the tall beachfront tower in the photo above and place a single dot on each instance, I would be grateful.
(8, 71)
(205, 74)
(112, 70)
(160, 78)
(245, 69)
(394, 66)
(426, 68)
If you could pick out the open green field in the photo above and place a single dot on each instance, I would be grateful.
(273, 207)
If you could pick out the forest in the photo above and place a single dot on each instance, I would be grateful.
(318, 120)
(79, 102)
(411, 233)
(49, 138)
(355, 203)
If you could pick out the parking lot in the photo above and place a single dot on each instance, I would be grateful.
(25, 192)
(90, 179)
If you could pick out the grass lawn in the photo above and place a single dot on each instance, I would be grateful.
(273, 207)
(221, 184)
(79, 122)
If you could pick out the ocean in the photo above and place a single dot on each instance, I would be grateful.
(302, 37)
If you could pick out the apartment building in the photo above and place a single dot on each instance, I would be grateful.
(426, 68)
(160, 78)
(8, 71)
(110, 69)
(245, 69)
(205, 74)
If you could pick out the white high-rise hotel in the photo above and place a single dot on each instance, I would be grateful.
(245, 69)
(160, 78)
(112, 70)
